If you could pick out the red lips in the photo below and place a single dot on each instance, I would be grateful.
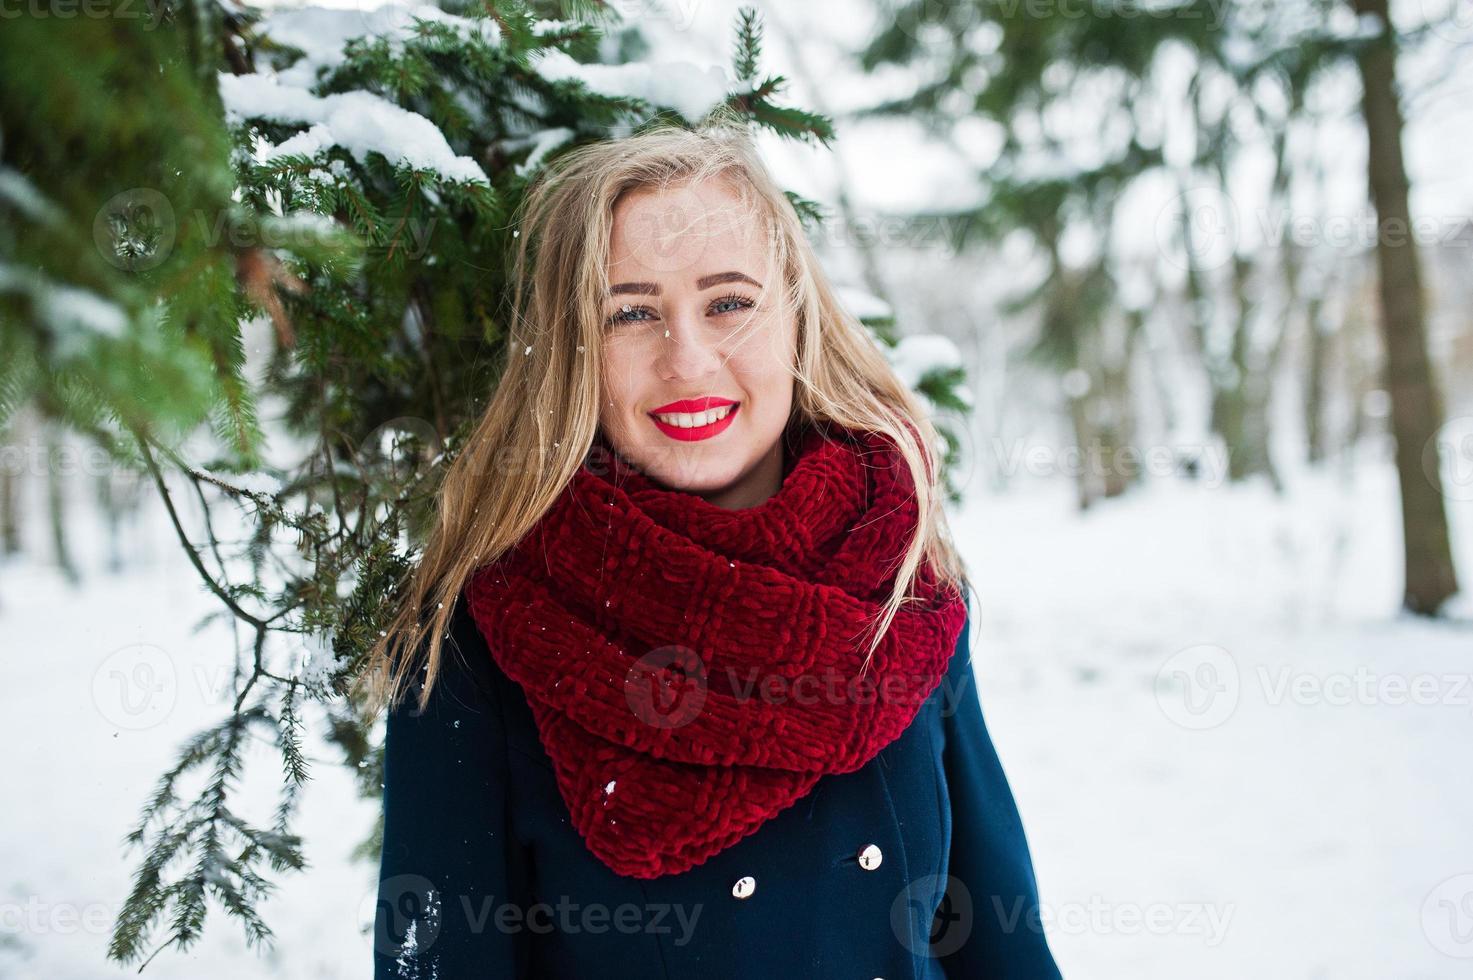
(698, 432)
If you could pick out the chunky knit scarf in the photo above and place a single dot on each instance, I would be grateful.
(693, 670)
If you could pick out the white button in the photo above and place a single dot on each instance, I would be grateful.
(870, 857)
(744, 886)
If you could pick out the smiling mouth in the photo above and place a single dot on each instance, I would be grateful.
(694, 426)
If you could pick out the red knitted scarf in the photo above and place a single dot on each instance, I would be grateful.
(694, 670)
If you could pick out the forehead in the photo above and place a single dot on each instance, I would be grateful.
(677, 230)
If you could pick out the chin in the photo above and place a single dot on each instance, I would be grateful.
(696, 477)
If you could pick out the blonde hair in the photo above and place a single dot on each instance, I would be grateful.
(545, 408)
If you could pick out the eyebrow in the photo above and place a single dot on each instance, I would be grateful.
(705, 282)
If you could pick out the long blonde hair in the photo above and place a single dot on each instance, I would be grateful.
(545, 408)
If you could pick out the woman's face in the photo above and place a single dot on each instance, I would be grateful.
(698, 348)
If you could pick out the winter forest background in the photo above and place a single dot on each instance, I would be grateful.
(1187, 283)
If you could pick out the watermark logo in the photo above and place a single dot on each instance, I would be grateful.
(1100, 917)
(679, 14)
(1198, 688)
(666, 688)
(402, 914)
(1363, 686)
(37, 917)
(1447, 917)
(1447, 458)
(932, 916)
(37, 458)
(1205, 462)
(1199, 229)
(402, 448)
(152, 14)
(1451, 20)
(135, 230)
(135, 687)
(672, 232)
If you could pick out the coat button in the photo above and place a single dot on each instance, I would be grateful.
(744, 886)
(870, 857)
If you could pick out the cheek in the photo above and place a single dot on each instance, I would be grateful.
(780, 352)
(768, 347)
(622, 369)
(766, 367)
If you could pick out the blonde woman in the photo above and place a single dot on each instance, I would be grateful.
(690, 693)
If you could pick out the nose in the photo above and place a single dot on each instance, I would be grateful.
(685, 352)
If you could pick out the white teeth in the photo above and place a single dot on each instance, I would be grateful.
(689, 420)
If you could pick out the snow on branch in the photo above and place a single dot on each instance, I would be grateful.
(359, 122)
(689, 89)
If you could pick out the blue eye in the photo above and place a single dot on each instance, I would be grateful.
(730, 304)
(629, 314)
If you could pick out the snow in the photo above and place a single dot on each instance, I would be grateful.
(72, 314)
(542, 143)
(69, 309)
(914, 356)
(918, 355)
(305, 223)
(321, 33)
(1310, 808)
(360, 122)
(863, 304)
(692, 90)
(408, 963)
(17, 190)
(262, 483)
(77, 307)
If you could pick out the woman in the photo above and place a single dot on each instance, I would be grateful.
(707, 706)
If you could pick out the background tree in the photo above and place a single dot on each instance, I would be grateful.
(1416, 407)
(1093, 107)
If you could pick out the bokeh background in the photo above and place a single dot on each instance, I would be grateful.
(1187, 284)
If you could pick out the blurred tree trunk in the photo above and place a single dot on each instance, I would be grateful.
(56, 505)
(1318, 369)
(1362, 353)
(1117, 427)
(1240, 406)
(1084, 491)
(1239, 379)
(1416, 412)
(1312, 283)
(112, 513)
(10, 484)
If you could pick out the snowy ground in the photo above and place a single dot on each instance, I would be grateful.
(101, 685)
(1233, 758)
(1194, 691)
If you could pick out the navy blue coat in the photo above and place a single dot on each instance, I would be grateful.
(914, 866)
